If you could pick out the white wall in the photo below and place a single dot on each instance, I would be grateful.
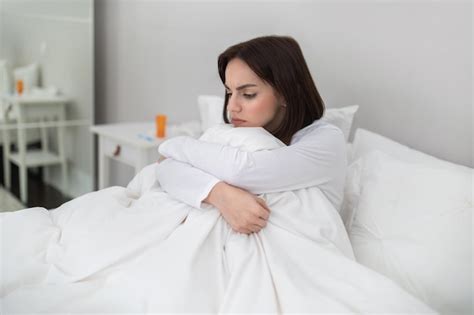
(406, 63)
(58, 35)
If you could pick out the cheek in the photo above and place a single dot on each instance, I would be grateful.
(261, 111)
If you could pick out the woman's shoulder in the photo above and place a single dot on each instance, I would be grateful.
(319, 128)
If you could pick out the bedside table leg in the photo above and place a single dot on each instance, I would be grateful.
(22, 160)
(44, 145)
(61, 130)
(23, 184)
(6, 158)
(103, 166)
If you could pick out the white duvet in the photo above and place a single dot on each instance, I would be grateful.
(127, 250)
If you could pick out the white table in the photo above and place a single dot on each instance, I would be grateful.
(37, 110)
(134, 144)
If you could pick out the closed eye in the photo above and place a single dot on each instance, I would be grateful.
(246, 95)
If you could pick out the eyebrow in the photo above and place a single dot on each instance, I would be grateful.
(242, 86)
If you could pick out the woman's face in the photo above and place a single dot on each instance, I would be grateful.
(252, 101)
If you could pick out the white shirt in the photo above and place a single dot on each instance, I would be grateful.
(316, 156)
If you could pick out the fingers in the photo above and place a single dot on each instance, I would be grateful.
(261, 223)
(254, 227)
(244, 230)
(263, 204)
(263, 214)
(260, 212)
(263, 210)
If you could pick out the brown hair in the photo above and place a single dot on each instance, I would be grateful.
(279, 61)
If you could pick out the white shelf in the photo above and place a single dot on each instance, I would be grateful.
(37, 157)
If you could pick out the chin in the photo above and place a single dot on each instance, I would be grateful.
(241, 124)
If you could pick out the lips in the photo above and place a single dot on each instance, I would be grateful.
(237, 121)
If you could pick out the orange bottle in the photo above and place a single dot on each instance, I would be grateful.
(19, 86)
(160, 122)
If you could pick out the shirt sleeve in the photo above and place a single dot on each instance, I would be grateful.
(185, 182)
(317, 159)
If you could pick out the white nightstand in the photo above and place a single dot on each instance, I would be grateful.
(134, 144)
(39, 110)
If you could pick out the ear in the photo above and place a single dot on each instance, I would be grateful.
(281, 100)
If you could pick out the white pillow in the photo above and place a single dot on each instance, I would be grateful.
(342, 118)
(366, 141)
(413, 224)
(210, 110)
(248, 139)
(30, 76)
(211, 106)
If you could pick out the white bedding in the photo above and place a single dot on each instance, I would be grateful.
(412, 220)
(128, 250)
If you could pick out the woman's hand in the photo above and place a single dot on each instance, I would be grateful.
(245, 212)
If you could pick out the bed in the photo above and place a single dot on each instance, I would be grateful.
(400, 244)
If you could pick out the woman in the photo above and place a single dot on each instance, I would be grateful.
(268, 84)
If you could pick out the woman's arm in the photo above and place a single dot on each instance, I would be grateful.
(318, 159)
(244, 212)
(184, 182)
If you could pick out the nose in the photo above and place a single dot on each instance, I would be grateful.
(233, 105)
